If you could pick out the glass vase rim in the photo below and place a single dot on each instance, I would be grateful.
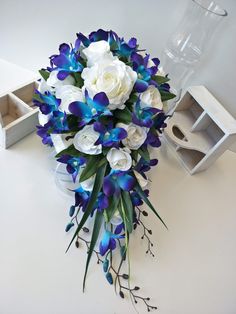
(222, 13)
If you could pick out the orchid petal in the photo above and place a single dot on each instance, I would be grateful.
(126, 182)
(140, 86)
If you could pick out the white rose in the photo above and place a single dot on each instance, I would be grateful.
(114, 78)
(53, 81)
(85, 140)
(96, 51)
(88, 184)
(151, 98)
(68, 94)
(59, 142)
(143, 182)
(136, 135)
(119, 159)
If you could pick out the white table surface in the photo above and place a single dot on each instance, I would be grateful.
(194, 268)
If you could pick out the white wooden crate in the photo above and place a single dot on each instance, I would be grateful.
(18, 116)
(200, 130)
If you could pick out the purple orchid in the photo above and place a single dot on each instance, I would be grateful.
(67, 61)
(73, 164)
(159, 121)
(43, 132)
(136, 199)
(145, 73)
(109, 136)
(144, 165)
(91, 109)
(118, 45)
(47, 102)
(102, 202)
(93, 36)
(153, 138)
(81, 198)
(56, 125)
(108, 242)
(122, 48)
(143, 116)
(116, 181)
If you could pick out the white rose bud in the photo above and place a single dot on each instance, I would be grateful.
(119, 159)
(96, 51)
(53, 81)
(85, 140)
(68, 94)
(151, 98)
(114, 78)
(136, 135)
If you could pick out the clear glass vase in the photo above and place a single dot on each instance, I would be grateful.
(189, 42)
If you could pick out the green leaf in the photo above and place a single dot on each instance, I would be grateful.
(123, 252)
(133, 98)
(113, 205)
(96, 229)
(134, 155)
(72, 122)
(143, 152)
(71, 150)
(78, 79)
(129, 210)
(114, 46)
(96, 189)
(160, 79)
(146, 200)
(37, 97)
(123, 115)
(166, 95)
(93, 163)
(45, 74)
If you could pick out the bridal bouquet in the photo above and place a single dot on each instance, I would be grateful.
(103, 98)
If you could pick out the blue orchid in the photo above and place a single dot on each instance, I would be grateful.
(153, 138)
(56, 124)
(59, 122)
(109, 136)
(120, 47)
(108, 242)
(144, 165)
(159, 121)
(73, 164)
(93, 36)
(116, 181)
(91, 109)
(47, 102)
(140, 65)
(136, 199)
(102, 202)
(67, 61)
(81, 198)
(43, 132)
(143, 116)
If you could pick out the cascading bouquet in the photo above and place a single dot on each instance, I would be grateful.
(103, 98)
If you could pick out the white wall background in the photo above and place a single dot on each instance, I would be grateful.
(30, 31)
